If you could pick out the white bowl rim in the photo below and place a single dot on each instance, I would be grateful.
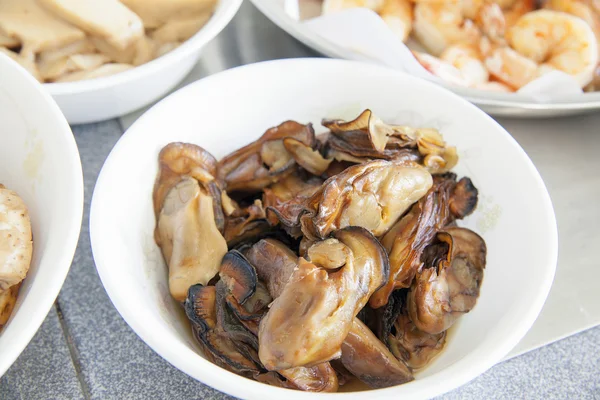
(70, 241)
(222, 379)
(217, 22)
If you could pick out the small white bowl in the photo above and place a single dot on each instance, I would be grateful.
(39, 160)
(227, 110)
(112, 96)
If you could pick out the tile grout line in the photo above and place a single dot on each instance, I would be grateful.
(73, 352)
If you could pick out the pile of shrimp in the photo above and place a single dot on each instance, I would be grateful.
(499, 45)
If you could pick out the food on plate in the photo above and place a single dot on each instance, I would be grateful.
(543, 41)
(71, 40)
(17, 249)
(305, 261)
(495, 45)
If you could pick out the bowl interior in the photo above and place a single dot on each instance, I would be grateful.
(39, 160)
(228, 110)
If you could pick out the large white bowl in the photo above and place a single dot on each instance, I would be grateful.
(112, 96)
(224, 111)
(39, 160)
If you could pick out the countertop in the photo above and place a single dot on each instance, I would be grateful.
(84, 349)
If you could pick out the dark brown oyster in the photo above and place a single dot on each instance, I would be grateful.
(264, 161)
(448, 285)
(308, 322)
(446, 201)
(369, 360)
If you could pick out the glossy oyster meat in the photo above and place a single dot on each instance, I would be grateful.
(448, 285)
(201, 310)
(274, 264)
(372, 195)
(308, 322)
(360, 348)
(308, 262)
(284, 201)
(244, 224)
(415, 347)
(368, 359)
(445, 202)
(264, 161)
(369, 137)
(179, 160)
(188, 237)
(306, 156)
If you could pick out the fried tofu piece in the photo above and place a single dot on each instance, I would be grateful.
(36, 28)
(79, 47)
(107, 19)
(155, 13)
(75, 62)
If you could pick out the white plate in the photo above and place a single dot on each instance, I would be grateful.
(112, 96)
(226, 110)
(39, 160)
(499, 104)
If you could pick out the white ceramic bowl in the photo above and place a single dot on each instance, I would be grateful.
(39, 160)
(112, 96)
(225, 111)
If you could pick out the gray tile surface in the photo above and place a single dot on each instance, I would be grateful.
(45, 369)
(567, 369)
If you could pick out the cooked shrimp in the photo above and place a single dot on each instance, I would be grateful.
(398, 15)
(558, 41)
(15, 239)
(510, 67)
(437, 26)
(441, 69)
(514, 10)
(579, 8)
(467, 59)
(491, 20)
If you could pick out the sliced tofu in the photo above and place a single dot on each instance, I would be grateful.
(8, 299)
(35, 27)
(108, 19)
(103, 70)
(180, 29)
(76, 62)
(145, 51)
(138, 53)
(124, 56)
(16, 246)
(25, 62)
(156, 13)
(79, 47)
